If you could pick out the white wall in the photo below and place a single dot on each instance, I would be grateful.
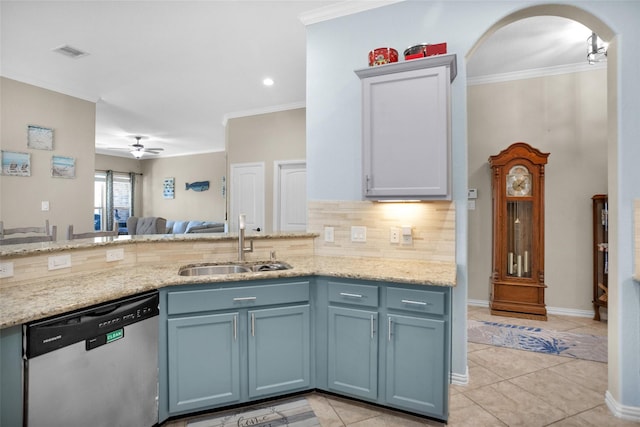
(333, 135)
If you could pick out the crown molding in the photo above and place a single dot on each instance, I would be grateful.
(265, 110)
(535, 72)
(337, 10)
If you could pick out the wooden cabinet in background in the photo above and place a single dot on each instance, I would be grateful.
(600, 253)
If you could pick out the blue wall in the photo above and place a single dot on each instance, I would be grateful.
(337, 47)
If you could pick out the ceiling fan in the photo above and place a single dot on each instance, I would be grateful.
(138, 150)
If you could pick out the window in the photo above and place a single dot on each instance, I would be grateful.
(118, 196)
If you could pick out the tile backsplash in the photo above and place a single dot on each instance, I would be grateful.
(432, 229)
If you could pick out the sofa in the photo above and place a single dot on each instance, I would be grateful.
(146, 225)
(184, 227)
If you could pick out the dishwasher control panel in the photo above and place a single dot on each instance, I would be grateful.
(97, 326)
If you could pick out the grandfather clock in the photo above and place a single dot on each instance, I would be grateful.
(517, 280)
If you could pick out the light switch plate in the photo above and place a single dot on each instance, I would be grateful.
(115, 255)
(6, 269)
(358, 233)
(60, 261)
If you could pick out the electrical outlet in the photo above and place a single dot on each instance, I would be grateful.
(359, 233)
(45, 206)
(328, 234)
(6, 269)
(60, 261)
(394, 235)
(115, 255)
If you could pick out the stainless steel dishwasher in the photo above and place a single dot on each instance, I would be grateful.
(94, 367)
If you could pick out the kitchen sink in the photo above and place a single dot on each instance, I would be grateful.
(233, 268)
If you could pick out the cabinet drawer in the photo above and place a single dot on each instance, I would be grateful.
(430, 302)
(348, 293)
(179, 302)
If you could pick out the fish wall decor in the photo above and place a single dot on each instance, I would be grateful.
(197, 186)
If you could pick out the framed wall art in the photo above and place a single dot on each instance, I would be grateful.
(16, 164)
(39, 137)
(63, 167)
(168, 188)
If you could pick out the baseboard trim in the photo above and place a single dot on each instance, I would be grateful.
(460, 379)
(619, 410)
(560, 311)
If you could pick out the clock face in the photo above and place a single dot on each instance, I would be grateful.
(519, 182)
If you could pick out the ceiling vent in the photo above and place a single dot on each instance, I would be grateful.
(70, 51)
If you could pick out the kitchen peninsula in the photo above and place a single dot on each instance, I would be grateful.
(333, 289)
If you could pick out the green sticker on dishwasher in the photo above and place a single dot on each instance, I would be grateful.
(115, 335)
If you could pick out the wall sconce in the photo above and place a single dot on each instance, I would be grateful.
(596, 49)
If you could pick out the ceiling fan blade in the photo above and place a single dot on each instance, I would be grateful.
(153, 149)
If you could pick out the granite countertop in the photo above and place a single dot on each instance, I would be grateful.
(48, 297)
(28, 249)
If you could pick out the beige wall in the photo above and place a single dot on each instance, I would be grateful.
(565, 115)
(73, 122)
(188, 204)
(267, 138)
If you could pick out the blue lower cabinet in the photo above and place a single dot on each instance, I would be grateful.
(228, 344)
(204, 361)
(279, 350)
(415, 380)
(353, 352)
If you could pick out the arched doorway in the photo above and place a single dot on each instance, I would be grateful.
(610, 146)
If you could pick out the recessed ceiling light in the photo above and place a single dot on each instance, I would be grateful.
(70, 51)
(268, 82)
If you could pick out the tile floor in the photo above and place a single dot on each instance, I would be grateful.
(506, 388)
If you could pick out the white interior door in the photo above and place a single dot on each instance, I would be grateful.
(247, 195)
(290, 196)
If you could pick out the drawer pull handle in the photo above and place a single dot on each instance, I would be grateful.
(390, 326)
(245, 299)
(408, 301)
(347, 294)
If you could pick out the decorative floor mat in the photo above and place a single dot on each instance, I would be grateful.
(579, 346)
(296, 413)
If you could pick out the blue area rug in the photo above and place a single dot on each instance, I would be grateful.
(579, 346)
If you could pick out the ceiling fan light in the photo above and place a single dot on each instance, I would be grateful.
(137, 154)
(596, 49)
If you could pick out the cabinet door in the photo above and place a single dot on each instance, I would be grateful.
(353, 352)
(416, 377)
(204, 362)
(406, 134)
(279, 350)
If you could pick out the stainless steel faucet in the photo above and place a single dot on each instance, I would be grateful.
(241, 248)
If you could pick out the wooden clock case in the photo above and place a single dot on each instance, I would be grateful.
(517, 280)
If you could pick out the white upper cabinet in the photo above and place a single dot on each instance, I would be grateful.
(406, 129)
